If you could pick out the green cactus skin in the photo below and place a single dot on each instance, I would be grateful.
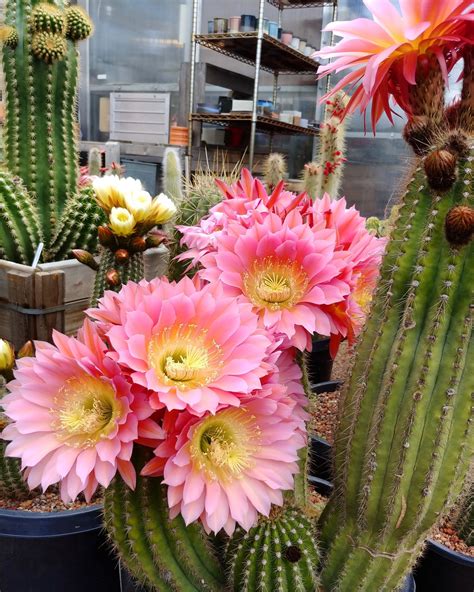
(162, 554)
(77, 227)
(325, 175)
(405, 440)
(12, 483)
(464, 524)
(41, 74)
(17, 212)
(133, 270)
(277, 555)
(172, 175)
(274, 170)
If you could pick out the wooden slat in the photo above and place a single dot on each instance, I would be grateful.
(20, 292)
(49, 293)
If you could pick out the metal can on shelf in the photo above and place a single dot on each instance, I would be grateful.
(248, 22)
(220, 25)
(234, 24)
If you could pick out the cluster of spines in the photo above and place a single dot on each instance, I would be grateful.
(19, 231)
(278, 555)
(325, 175)
(410, 391)
(161, 553)
(77, 228)
(464, 523)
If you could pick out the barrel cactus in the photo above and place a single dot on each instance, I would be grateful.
(41, 66)
(405, 439)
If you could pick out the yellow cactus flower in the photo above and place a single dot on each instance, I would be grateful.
(162, 210)
(111, 191)
(121, 222)
(138, 204)
(7, 356)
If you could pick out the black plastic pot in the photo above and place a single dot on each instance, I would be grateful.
(319, 362)
(56, 552)
(444, 570)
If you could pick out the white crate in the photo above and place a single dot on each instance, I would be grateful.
(140, 117)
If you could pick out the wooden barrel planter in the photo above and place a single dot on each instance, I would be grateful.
(34, 301)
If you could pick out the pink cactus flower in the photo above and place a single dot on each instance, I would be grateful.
(385, 51)
(226, 469)
(286, 270)
(192, 347)
(74, 417)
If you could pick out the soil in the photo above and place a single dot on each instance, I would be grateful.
(47, 502)
(447, 536)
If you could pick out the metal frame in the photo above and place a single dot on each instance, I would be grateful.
(196, 39)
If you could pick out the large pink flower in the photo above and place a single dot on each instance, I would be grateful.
(230, 467)
(286, 270)
(193, 347)
(74, 417)
(246, 202)
(385, 51)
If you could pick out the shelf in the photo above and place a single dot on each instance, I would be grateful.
(277, 57)
(282, 4)
(264, 124)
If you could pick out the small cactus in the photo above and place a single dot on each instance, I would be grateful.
(464, 523)
(325, 175)
(279, 554)
(49, 47)
(94, 162)
(274, 170)
(48, 17)
(172, 175)
(78, 24)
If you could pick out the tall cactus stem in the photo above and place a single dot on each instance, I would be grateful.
(12, 483)
(131, 270)
(405, 442)
(161, 553)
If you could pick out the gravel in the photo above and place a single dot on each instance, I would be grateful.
(47, 502)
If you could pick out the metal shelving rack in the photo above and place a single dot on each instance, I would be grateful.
(265, 53)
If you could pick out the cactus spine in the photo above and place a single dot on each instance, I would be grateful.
(325, 175)
(161, 553)
(41, 73)
(405, 440)
(274, 170)
(279, 554)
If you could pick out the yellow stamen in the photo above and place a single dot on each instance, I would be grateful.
(223, 446)
(86, 411)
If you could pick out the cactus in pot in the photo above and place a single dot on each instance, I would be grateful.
(405, 439)
(464, 522)
(41, 66)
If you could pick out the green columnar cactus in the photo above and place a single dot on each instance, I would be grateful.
(115, 270)
(279, 554)
(161, 553)
(274, 170)
(40, 62)
(172, 175)
(406, 436)
(325, 175)
(17, 213)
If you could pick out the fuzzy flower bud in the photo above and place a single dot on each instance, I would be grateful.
(122, 256)
(113, 278)
(121, 222)
(7, 356)
(85, 258)
(162, 210)
(440, 168)
(27, 351)
(105, 236)
(459, 225)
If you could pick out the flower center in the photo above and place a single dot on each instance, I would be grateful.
(86, 411)
(223, 446)
(183, 355)
(275, 284)
(274, 288)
